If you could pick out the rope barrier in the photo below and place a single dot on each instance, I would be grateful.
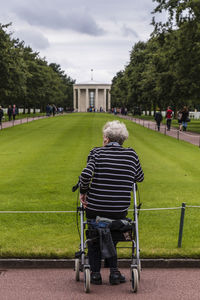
(36, 212)
(73, 211)
(161, 208)
(193, 206)
(189, 134)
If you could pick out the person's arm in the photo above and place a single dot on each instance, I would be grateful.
(139, 176)
(86, 177)
(87, 173)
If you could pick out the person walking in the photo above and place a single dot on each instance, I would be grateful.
(1, 114)
(169, 113)
(9, 112)
(179, 116)
(184, 118)
(14, 112)
(158, 119)
(54, 110)
(105, 190)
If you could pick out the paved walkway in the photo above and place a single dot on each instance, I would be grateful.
(59, 284)
(20, 121)
(190, 137)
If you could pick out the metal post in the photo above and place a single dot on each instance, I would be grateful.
(82, 233)
(165, 131)
(181, 225)
(177, 134)
(148, 125)
(199, 142)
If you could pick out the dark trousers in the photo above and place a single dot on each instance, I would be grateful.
(158, 125)
(169, 123)
(94, 255)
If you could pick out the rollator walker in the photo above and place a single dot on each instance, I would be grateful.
(81, 257)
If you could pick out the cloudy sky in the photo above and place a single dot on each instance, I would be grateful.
(81, 35)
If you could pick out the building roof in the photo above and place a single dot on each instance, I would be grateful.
(92, 82)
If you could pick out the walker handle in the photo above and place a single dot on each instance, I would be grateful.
(75, 187)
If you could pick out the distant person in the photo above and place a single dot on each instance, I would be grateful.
(179, 115)
(184, 118)
(54, 109)
(48, 110)
(9, 112)
(1, 115)
(169, 113)
(158, 119)
(14, 112)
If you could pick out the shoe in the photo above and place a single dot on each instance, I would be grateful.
(96, 278)
(116, 278)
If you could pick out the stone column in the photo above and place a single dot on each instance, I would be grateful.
(104, 100)
(87, 99)
(74, 100)
(96, 99)
(79, 98)
(109, 100)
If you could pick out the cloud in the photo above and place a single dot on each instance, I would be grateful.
(81, 34)
(127, 31)
(33, 38)
(52, 18)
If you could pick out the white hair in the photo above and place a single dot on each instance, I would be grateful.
(115, 131)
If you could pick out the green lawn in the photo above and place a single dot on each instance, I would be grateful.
(41, 161)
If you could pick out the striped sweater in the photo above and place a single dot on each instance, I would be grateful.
(108, 179)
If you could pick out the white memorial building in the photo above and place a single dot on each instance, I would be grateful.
(91, 96)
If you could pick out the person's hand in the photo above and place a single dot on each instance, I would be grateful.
(83, 200)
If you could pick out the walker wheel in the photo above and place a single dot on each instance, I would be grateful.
(87, 280)
(76, 268)
(134, 280)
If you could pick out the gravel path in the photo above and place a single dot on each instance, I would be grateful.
(190, 137)
(59, 284)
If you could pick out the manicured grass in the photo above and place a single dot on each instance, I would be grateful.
(41, 161)
(193, 125)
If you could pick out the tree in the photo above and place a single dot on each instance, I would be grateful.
(66, 86)
(181, 33)
(12, 68)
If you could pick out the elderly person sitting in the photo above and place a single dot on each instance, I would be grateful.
(105, 189)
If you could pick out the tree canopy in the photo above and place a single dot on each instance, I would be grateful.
(165, 70)
(27, 80)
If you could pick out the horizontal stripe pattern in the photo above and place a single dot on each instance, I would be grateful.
(108, 178)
